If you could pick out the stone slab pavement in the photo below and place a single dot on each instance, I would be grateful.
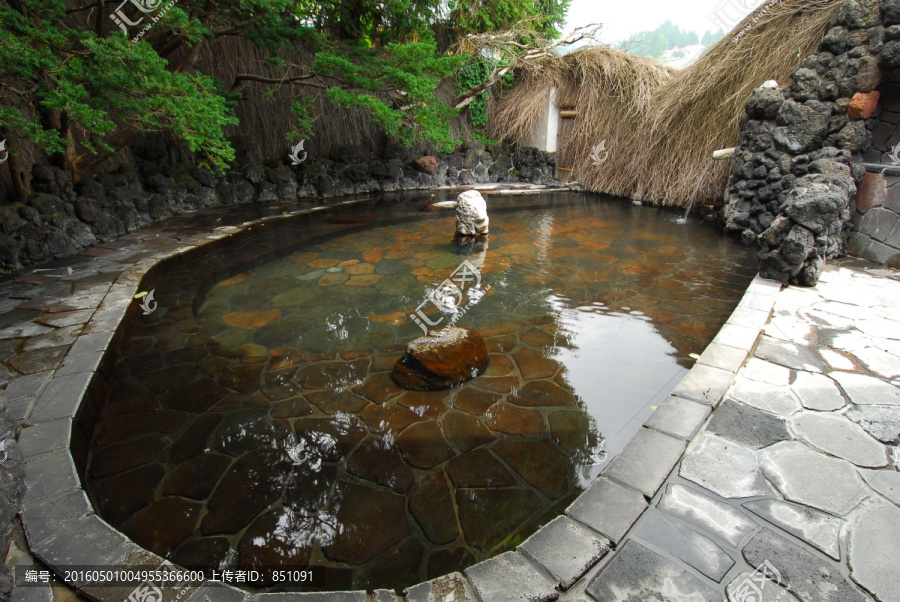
(790, 491)
(769, 474)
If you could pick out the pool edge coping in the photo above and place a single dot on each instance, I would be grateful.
(63, 530)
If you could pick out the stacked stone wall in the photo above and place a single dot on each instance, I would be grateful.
(804, 149)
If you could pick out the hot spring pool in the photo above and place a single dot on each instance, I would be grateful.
(251, 420)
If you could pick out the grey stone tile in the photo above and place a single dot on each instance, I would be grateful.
(886, 482)
(44, 437)
(608, 508)
(841, 437)
(776, 400)
(24, 330)
(789, 355)
(813, 479)
(383, 595)
(69, 318)
(313, 597)
(646, 461)
(750, 317)
(874, 562)
(80, 362)
(818, 392)
(748, 583)
(726, 468)
(449, 587)
(678, 417)
(510, 577)
(27, 386)
(218, 592)
(636, 573)
(105, 320)
(41, 593)
(807, 576)
(566, 549)
(45, 518)
(722, 357)
(879, 362)
(740, 337)
(692, 548)
(867, 390)
(61, 398)
(96, 341)
(49, 474)
(746, 425)
(704, 384)
(816, 528)
(713, 516)
(758, 300)
(60, 336)
(18, 410)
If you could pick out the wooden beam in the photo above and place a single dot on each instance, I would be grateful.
(568, 114)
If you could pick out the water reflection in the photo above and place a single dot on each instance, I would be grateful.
(266, 431)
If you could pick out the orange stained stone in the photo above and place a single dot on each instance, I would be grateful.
(423, 271)
(512, 420)
(347, 263)
(323, 263)
(398, 252)
(645, 270)
(394, 319)
(668, 250)
(562, 228)
(383, 419)
(251, 320)
(360, 269)
(333, 278)
(367, 280)
(599, 246)
(602, 223)
(373, 255)
(426, 254)
(303, 257)
(235, 280)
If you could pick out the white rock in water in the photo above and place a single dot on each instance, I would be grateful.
(770, 85)
(471, 214)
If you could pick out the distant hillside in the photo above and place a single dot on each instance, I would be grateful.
(668, 36)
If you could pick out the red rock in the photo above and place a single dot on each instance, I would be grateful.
(465, 431)
(427, 164)
(863, 104)
(444, 358)
(373, 520)
(251, 320)
(871, 192)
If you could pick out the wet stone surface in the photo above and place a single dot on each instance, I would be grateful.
(256, 404)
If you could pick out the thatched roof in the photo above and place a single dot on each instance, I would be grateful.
(662, 125)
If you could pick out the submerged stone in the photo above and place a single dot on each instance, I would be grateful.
(441, 359)
(432, 506)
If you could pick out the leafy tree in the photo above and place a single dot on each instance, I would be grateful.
(81, 85)
(711, 37)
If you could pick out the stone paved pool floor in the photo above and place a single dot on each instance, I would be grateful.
(795, 470)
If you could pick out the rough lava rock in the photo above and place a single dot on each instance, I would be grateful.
(471, 214)
(442, 359)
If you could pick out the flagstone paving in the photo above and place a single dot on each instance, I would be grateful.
(789, 490)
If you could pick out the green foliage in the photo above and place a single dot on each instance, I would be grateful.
(655, 43)
(376, 55)
(474, 73)
(480, 16)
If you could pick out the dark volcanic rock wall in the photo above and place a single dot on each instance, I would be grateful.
(61, 219)
(799, 158)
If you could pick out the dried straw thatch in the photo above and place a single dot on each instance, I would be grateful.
(660, 125)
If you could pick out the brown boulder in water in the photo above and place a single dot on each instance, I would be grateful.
(441, 359)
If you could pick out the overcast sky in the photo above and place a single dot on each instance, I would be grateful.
(621, 19)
